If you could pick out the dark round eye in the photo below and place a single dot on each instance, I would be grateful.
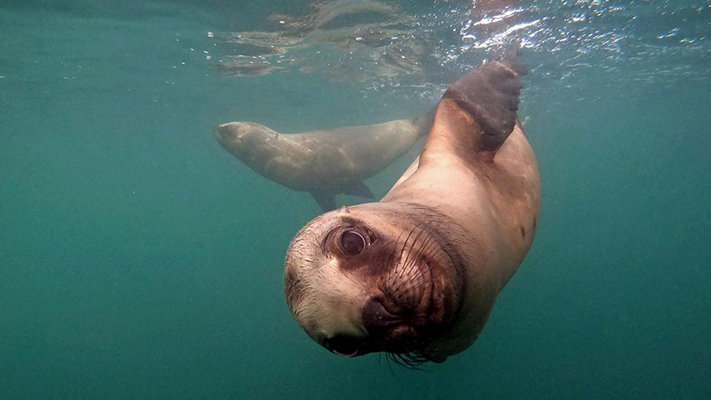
(351, 242)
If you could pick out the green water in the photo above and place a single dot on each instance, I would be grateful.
(139, 260)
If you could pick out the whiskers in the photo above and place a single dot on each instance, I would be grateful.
(409, 281)
(409, 285)
(409, 360)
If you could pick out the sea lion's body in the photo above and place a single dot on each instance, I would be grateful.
(323, 162)
(417, 274)
(494, 205)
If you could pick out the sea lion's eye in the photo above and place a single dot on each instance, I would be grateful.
(351, 242)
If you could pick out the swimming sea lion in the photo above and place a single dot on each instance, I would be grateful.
(324, 162)
(416, 274)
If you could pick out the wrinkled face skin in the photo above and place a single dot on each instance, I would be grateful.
(362, 282)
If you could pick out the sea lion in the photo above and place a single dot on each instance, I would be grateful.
(324, 162)
(416, 274)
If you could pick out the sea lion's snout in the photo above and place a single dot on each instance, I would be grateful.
(377, 317)
(245, 140)
(243, 134)
(230, 132)
(383, 331)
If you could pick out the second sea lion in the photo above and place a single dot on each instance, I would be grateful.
(323, 162)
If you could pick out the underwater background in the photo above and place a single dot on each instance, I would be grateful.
(140, 260)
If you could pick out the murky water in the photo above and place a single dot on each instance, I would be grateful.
(138, 259)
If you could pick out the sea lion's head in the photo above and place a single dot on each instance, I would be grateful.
(245, 140)
(366, 279)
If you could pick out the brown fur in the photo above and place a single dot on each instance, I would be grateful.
(467, 209)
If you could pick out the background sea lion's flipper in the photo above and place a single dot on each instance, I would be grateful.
(325, 198)
(478, 112)
(357, 188)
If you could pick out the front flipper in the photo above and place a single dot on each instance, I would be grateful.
(325, 198)
(478, 112)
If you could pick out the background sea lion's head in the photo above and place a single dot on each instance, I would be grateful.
(368, 279)
(246, 140)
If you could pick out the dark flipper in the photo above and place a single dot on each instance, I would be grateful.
(478, 112)
(490, 95)
(357, 188)
(325, 198)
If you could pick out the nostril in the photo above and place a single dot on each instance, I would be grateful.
(376, 316)
(344, 345)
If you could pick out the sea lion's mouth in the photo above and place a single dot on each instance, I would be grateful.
(392, 333)
(377, 316)
(232, 133)
(222, 132)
